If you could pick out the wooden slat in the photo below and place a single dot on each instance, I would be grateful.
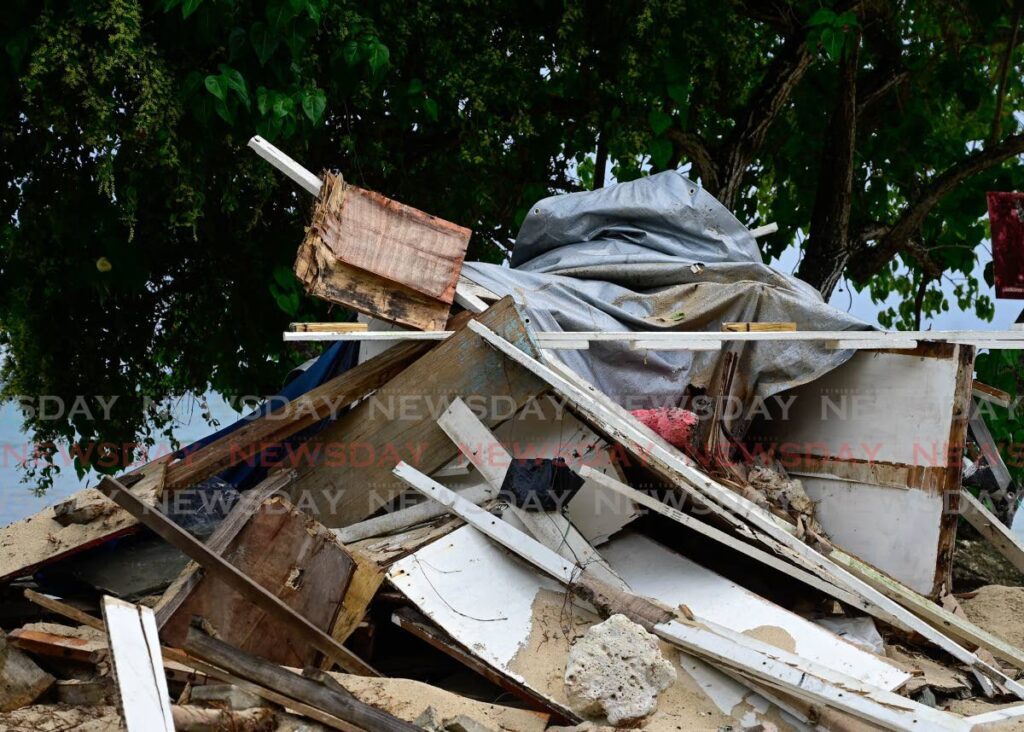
(269, 675)
(350, 478)
(248, 441)
(231, 576)
(57, 646)
(292, 557)
(758, 327)
(995, 531)
(366, 579)
(991, 394)
(138, 666)
(328, 327)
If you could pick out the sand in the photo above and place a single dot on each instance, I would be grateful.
(999, 610)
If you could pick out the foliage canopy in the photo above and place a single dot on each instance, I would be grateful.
(144, 253)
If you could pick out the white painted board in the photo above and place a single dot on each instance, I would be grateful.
(138, 666)
(653, 570)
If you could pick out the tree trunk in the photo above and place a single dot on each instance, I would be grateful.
(830, 246)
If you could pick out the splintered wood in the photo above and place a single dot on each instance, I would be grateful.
(381, 257)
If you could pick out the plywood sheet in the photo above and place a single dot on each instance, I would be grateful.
(347, 468)
(290, 555)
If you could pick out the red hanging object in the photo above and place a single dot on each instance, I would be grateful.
(1006, 218)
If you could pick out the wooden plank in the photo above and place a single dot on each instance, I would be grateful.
(936, 615)
(682, 343)
(38, 540)
(62, 608)
(381, 257)
(756, 523)
(307, 569)
(758, 327)
(991, 394)
(343, 706)
(769, 228)
(270, 695)
(580, 340)
(330, 398)
(328, 327)
(231, 576)
(744, 654)
(306, 179)
(138, 666)
(71, 648)
(990, 449)
(995, 531)
(346, 469)
(845, 344)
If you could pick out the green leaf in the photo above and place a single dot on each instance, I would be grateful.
(430, 109)
(415, 87)
(660, 151)
(284, 277)
(264, 41)
(822, 16)
(679, 93)
(350, 52)
(298, 5)
(279, 12)
(189, 6)
(313, 104)
(378, 56)
(263, 100)
(659, 121)
(235, 81)
(224, 111)
(283, 106)
(217, 86)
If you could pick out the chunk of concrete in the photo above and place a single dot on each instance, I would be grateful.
(21, 681)
(616, 670)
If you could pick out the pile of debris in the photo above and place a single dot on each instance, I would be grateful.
(637, 479)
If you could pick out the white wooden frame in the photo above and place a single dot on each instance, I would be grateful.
(745, 516)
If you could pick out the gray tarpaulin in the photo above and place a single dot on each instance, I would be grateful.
(660, 254)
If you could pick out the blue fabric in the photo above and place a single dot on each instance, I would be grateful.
(337, 359)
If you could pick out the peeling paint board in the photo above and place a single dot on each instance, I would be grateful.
(656, 571)
(886, 527)
(483, 598)
(138, 666)
(480, 596)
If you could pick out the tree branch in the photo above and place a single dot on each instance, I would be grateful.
(691, 146)
(914, 214)
(1004, 68)
(757, 116)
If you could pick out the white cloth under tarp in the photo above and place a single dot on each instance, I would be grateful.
(660, 254)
